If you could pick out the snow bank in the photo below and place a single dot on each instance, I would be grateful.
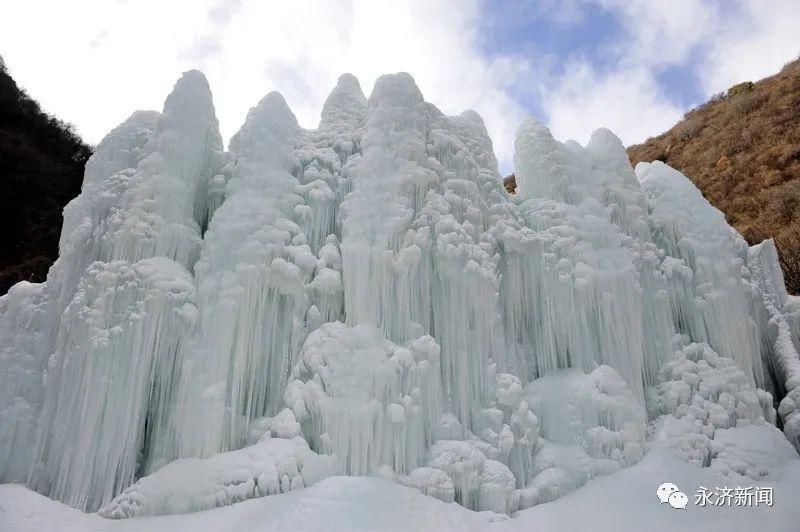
(622, 502)
(271, 466)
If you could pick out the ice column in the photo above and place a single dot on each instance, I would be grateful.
(385, 264)
(714, 308)
(110, 378)
(250, 279)
(30, 314)
(571, 295)
(111, 372)
(782, 351)
(464, 269)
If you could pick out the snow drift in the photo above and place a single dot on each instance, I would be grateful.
(365, 298)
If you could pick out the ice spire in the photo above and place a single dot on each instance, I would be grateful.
(121, 149)
(164, 207)
(345, 108)
(542, 165)
(563, 303)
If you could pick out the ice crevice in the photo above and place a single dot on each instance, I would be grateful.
(364, 298)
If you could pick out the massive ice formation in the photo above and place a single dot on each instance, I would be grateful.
(365, 298)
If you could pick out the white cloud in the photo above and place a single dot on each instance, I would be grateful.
(764, 37)
(659, 34)
(628, 102)
(92, 63)
(625, 95)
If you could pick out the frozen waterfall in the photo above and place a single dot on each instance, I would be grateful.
(365, 298)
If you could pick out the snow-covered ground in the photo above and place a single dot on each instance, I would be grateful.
(622, 502)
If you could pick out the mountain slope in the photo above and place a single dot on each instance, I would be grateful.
(742, 150)
(41, 169)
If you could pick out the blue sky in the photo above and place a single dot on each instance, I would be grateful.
(586, 31)
(634, 66)
(556, 31)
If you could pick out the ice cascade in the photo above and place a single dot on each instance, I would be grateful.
(364, 298)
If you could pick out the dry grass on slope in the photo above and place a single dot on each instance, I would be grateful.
(742, 150)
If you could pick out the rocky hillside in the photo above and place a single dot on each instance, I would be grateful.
(41, 169)
(742, 150)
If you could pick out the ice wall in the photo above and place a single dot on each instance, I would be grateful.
(368, 294)
(779, 334)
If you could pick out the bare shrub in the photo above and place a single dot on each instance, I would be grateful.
(788, 246)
